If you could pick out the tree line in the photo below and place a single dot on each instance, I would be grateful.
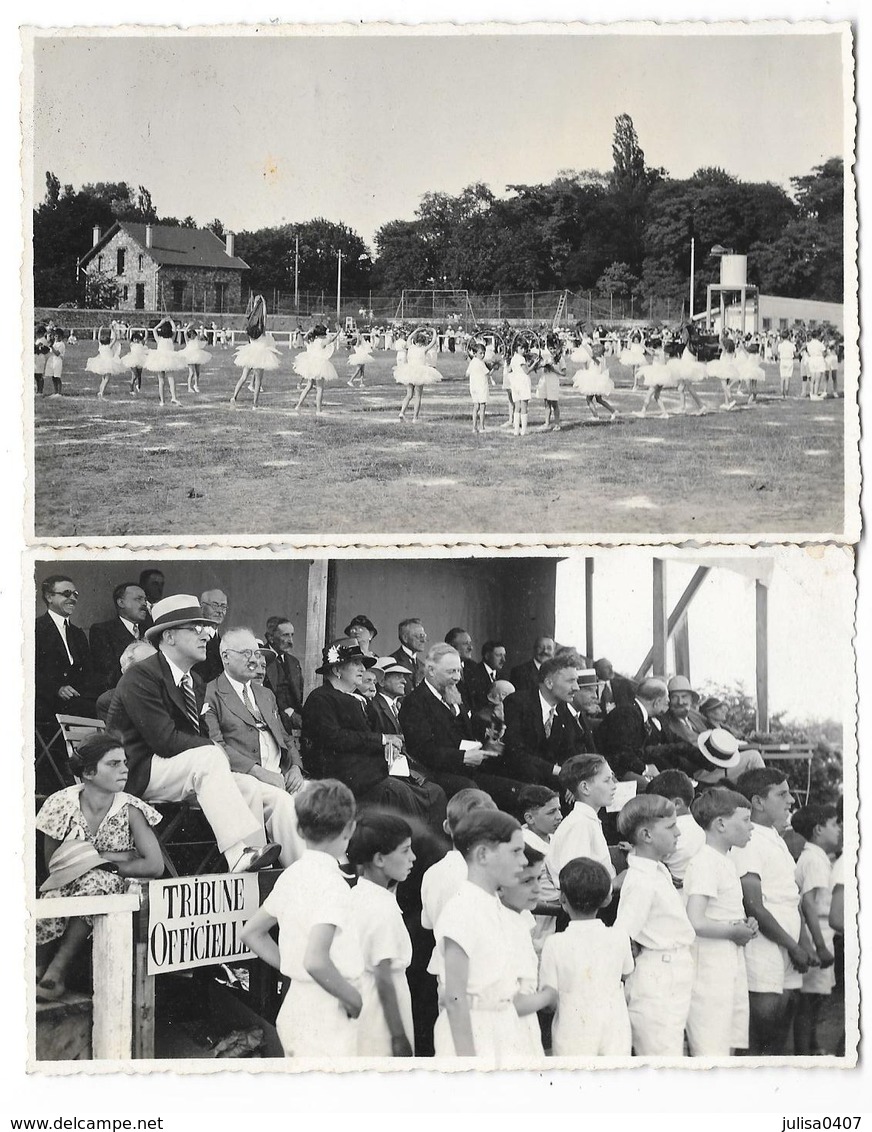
(624, 232)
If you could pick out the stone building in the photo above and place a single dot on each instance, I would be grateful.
(184, 270)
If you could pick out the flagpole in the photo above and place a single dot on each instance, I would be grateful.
(692, 254)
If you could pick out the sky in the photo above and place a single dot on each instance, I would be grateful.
(261, 129)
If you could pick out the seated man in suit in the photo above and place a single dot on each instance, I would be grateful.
(151, 581)
(109, 639)
(284, 676)
(438, 734)
(339, 742)
(65, 678)
(461, 640)
(133, 654)
(214, 605)
(480, 678)
(682, 722)
(583, 707)
(243, 718)
(615, 691)
(413, 642)
(540, 731)
(384, 708)
(632, 739)
(158, 711)
(526, 675)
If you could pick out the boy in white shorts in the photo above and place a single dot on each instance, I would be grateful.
(780, 954)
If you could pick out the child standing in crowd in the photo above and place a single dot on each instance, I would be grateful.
(444, 879)
(96, 837)
(718, 1018)
(726, 371)
(317, 948)
(165, 361)
(656, 376)
(540, 808)
(41, 350)
(381, 850)
(520, 369)
(359, 357)
(819, 825)
(651, 912)
(549, 386)
(519, 900)
(677, 788)
(54, 366)
(831, 364)
(585, 967)
(816, 365)
(478, 372)
(416, 373)
(751, 373)
(474, 954)
(258, 354)
(596, 384)
(786, 362)
(779, 954)
(634, 355)
(590, 782)
(195, 355)
(135, 360)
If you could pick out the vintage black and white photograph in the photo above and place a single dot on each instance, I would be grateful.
(346, 812)
(490, 282)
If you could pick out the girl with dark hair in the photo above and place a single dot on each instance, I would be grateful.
(165, 360)
(259, 353)
(314, 365)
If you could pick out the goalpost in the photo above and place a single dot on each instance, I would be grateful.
(436, 306)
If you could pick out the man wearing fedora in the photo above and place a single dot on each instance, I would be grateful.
(584, 705)
(339, 742)
(157, 710)
(683, 723)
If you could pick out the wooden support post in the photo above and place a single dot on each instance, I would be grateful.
(660, 622)
(143, 985)
(316, 620)
(681, 647)
(588, 609)
(762, 637)
(113, 987)
(675, 616)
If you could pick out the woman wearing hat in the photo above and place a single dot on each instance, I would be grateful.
(96, 836)
(339, 742)
(362, 630)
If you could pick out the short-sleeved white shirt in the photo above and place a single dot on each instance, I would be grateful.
(309, 892)
(714, 875)
(814, 872)
(767, 855)
(439, 883)
(691, 838)
(378, 923)
(588, 960)
(520, 926)
(478, 923)
(786, 350)
(838, 876)
(580, 834)
(651, 910)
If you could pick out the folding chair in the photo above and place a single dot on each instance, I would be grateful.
(75, 729)
(792, 752)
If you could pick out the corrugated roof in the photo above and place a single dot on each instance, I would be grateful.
(175, 247)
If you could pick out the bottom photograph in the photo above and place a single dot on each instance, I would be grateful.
(594, 808)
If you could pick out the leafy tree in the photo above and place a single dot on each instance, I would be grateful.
(217, 227)
(270, 253)
(617, 279)
(101, 291)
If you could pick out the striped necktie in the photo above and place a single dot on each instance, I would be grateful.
(187, 686)
(549, 722)
(253, 709)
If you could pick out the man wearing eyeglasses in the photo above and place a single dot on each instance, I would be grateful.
(214, 606)
(158, 709)
(65, 679)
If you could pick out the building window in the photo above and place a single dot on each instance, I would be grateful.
(767, 323)
(99, 263)
(120, 260)
(178, 293)
(220, 296)
(141, 261)
(782, 324)
(124, 293)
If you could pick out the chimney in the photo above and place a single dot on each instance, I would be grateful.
(149, 236)
(230, 243)
(97, 235)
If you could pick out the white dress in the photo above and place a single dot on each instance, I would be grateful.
(723, 368)
(657, 374)
(258, 353)
(165, 358)
(477, 372)
(416, 371)
(816, 363)
(687, 369)
(581, 355)
(136, 356)
(378, 922)
(521, 926)
(634, 355)
(105, 362)
(749, 367)
(194, 354)
(314, 363)
(519, 379)
(361, 354)
(593, 381)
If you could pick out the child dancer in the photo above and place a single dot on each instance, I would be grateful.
(195, 355)
(819, 825)
(634, 356)
(381, 851)
(96, 836)
(717, 1022)
(41, 350)
(317, 947)
(478, 372)
(751, 373)
(477, 1016)
(54, 366)
(519, 900)
(416, 373)
(651, 912)
(165, 361)
(584, 967)
(688, 370)
(726, 371)
(360, 356)
(135, 360)
(596, 384)
(105, 362)
(314, 365)
(522, 365)
(549, 383)
(259, 353)
(655, 377)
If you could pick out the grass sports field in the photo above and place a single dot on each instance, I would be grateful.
(125, 466)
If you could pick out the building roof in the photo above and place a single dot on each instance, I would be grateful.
(174, 247)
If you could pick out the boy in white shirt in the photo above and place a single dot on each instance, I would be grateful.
(676, 787)
(718, 1020)
(819, 825)
(780, 953)
(444, 879)
(651, 912)
(591, 782)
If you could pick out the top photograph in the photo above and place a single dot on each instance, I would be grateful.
(492, 284)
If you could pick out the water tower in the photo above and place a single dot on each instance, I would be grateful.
(734, 282)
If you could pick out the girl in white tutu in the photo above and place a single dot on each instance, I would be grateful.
(195, 355)
(750, 370)
(478, 372)
(655, 377)
(314, 365)
(522, 365)
(689, 371)
(634, 356)
(259, 353)
(596, 384)
(416, 373)
(135, 360)
(165, 361)
(360, 355)
(106, 361)
(726, 371)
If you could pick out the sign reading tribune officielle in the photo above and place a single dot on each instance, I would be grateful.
(195, 921)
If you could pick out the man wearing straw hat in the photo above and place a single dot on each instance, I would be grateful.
(157, 709)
